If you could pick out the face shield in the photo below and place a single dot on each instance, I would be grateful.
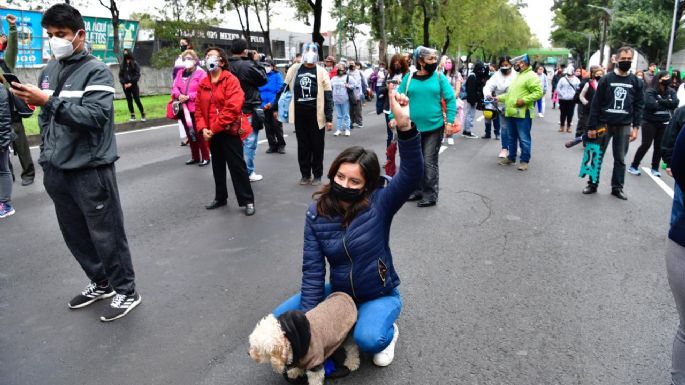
(310, 53)
(516, 62)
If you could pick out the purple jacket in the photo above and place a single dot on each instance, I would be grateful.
(179, 87)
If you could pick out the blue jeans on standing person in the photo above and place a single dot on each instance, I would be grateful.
(469, 114)
(490, 123)
(678, 204)
(342, 112)
(5, 176)
(373, 331)
(519, 133)
(504, 131)
(250, 150)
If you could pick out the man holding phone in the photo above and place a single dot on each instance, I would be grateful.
(77, 155)
(21, 143)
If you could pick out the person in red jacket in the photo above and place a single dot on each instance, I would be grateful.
(218, 115)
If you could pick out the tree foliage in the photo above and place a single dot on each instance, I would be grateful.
(350, 14)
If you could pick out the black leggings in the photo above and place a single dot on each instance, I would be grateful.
(566, 108)
(133, 93)
(651, 131)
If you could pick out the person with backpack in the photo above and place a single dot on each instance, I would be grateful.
(566, 91)
(425, 88)
(78, 164)
(587, 92)
(474, 97)
(21, 143)
(555, 81)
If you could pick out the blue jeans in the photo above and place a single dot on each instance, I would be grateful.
(5, 176)
(342, 112)
(678, 203)
(250, 150)
(519, 134)
(504, 131)
(373, 331)
(469, 114)
(489, 124)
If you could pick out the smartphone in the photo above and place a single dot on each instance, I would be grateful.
(391, 81)
(11, 78)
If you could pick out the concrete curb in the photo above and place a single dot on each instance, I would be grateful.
(34, 140)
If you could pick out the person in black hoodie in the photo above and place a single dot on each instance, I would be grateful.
(660, 101)
(129, 76)
(252, 76)
(618, 104)
(474, 96)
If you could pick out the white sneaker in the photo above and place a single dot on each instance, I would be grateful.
(385, 357)
(255, 177)
(503, 153)
(337, 133)
(347, 133)
(540, 115)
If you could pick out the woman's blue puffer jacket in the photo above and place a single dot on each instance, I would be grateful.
(274, 82)
(359, 256)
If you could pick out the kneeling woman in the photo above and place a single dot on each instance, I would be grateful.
(348, 224)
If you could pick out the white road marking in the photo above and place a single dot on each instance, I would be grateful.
(659, 182)
(157, 128)
(442, 149)
(480, 118)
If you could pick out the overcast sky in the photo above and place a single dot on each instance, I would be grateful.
(537, 14)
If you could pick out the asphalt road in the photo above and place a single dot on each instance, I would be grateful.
(514, 278)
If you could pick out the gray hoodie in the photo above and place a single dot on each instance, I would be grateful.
(77, 126)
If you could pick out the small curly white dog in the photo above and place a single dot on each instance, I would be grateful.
(298, 343)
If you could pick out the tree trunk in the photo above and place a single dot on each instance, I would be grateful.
(317, 37)
(382, 42)
(356, 54)
(446, 46)
(266, 32)
(114, 11)
(426, 26)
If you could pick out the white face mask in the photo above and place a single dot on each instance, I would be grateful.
(268, 69)
(62, 48)
(189, 63)
(310, 57)
(212, 63)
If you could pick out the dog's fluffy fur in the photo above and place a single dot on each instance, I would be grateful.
(268, 344)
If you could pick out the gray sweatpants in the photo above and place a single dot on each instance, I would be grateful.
(675, 266)
(5, 176)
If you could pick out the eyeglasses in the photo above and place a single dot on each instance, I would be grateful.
(189, 58)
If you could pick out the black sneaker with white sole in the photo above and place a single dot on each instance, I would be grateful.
(90, 294)
(120, 306)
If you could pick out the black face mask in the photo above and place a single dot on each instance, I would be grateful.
(517, 68)
(505, 70)
(597, 78)
(397, 68)
(665, 82)
(341, 72)
(624, 65)
(430, 68)
(184, 47)
(345, 194)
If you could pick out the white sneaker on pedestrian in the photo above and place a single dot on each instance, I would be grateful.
(450, 141)
(347, 133)
(337, 133)
(255, 177)
(387, 355)
(503, 153)
(540, 115)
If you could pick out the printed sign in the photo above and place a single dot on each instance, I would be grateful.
(29, 35)
(100, 36)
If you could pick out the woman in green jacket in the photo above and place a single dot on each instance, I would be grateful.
(426, 88)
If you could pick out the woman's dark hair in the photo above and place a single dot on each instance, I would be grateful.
(222, 56)
(503, 59)
(402, 60)
(63, 16)
(676, 79)
(327, 205)
(190, 44)
(657, 79)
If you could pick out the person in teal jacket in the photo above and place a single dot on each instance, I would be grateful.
(519, 110)
(426, 90)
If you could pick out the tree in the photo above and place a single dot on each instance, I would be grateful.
(265, 6)
(303, 9)
(114, 11)
(350, 14)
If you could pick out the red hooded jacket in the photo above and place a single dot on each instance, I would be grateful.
(218, 104)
